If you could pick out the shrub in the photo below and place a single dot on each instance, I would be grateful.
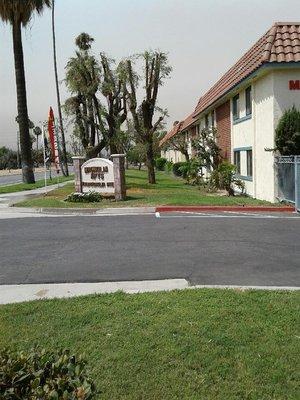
(169, 166)
(90, 197)
(176, 168)
(223, 177)
(160, 163)
(190, 171)
(287, 136)
(8, 158)
(38, 157)
(44, 375)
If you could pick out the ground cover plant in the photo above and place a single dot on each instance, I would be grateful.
(40, 374)
(169, 190)
(90, 197)
(193, 344)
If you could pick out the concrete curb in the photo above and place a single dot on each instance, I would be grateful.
(10, 294)
(81, 211)
(20, 293)
(162, 209)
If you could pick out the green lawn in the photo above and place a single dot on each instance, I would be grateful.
(19, 187)
(169, 190)
(193, 344)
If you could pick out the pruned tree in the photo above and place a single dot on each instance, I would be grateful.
(137, 155)
(99, 125)
(83, 80)
(147, 116)
(113, 88)
(206, 148)
(180, 143)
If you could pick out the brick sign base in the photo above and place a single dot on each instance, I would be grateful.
(101, 175)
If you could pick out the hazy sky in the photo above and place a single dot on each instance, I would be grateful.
(203, 38)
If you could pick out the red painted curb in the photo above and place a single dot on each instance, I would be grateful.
(224, 208)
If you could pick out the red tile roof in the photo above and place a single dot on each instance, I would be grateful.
(178, 128)
(281, 44)
(171, 133)
(187, 122)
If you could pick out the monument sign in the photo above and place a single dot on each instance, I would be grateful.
(98, 176)
(101, 175)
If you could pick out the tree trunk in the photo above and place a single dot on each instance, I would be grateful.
(91, 122)
(93, 152)
(150, 163)
(25, 141)
(63, 140)
(113, 148)
(186, 155)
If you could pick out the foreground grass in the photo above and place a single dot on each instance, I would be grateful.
(193, 344)
(19, 187)
(168, 191)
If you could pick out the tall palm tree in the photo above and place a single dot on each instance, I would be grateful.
(63, 140)
(18, 13)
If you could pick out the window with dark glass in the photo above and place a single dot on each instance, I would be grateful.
(237, 161)
(213, 119)
(249, 163)
(248, 95)
(206, 121)
(236, 107)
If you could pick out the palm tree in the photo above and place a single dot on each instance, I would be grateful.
(63, 140)
(37, 131)
(18, 13)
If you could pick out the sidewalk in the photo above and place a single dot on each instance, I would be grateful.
(9, 199)
(10, 294)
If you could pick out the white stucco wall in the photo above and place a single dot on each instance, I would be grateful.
(271, 97)
(284, 98)
(264, 178)
(173, 155)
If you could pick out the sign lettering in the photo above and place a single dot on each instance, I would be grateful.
(98, 176)
(294, 85)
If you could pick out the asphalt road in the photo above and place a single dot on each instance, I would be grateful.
(12, 179)
(231, 251)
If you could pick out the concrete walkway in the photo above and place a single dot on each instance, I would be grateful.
(9, 199)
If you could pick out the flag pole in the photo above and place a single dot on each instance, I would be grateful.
(44, 154)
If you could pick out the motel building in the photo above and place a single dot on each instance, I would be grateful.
(245, 106)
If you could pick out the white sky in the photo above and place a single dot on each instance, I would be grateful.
(203, 38)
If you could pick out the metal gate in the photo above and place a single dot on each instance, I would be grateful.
(288, 179)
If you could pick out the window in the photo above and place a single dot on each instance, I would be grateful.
(237, 161)
(248, 96)
(206, 121)
(236, 107)
(249, 162)
(213, 119)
